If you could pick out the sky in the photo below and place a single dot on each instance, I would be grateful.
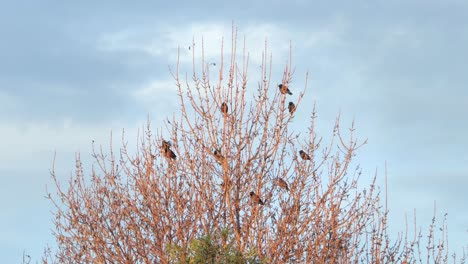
(71, 72)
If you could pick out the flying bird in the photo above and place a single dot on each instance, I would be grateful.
(292, 108)
(255, 198)
(304, 155)
(284, 89)
(282, 184)
(224, 108)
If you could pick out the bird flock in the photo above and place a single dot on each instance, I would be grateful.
(255, 198)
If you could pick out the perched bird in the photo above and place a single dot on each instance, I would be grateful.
(292, 108)
(282, 184)
(218, 155)
(255, 198)
(284, 89)
(229, 184)
(165, 145)
(304, 155)
(168, 153)
(224, 108)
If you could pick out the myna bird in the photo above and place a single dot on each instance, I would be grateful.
(284, 89)
(292, 108)
(168, 153)
(219, 156)
(224, 108)
(304, 155)
(282, 184)
(165, 145)
(255, 198)
(229, 184)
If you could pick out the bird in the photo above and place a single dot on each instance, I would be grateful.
(284, 89)
(224, 108)
(255, 198)
(304, 155)
(165, 145)
(218, 155)
(168, 153)
(229, 184)
(292, 108)
(282, 184)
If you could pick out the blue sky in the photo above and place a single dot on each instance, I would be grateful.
(70, 73)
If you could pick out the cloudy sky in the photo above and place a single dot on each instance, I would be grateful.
(71, 73)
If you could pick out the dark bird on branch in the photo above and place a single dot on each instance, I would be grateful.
(282, 184)
(166, 150)
(304, 155)
(168, 153)
(224, 108)
(284, 89)
(219, 156)
(292, 108)
(255, 198)
(229, 184)
(165, 145)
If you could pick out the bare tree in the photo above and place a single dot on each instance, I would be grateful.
(230, 182)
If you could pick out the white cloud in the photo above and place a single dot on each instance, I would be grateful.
(163, 40)
(151, 91)
(131, 40)
(26, 143)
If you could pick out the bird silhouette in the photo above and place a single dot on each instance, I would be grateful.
(224, 108)
(304, 155)
(284, 89)
(282, 184)
(291, 107)
(255, 198)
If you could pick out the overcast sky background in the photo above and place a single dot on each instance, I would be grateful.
(72, 72)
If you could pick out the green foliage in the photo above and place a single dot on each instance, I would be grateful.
(212, 249)
(176, 253)
(203, 250)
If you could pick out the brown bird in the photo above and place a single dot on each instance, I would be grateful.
(304, 155)
(229, 184)
(168, 153)
(165, 145)
(292, 108)
(282, 184)
(218, 155)
(255, 198)
(224, 108)
(284, 89)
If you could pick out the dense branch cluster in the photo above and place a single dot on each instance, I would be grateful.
(228, 182)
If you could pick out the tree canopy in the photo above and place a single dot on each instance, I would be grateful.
(229, 181)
